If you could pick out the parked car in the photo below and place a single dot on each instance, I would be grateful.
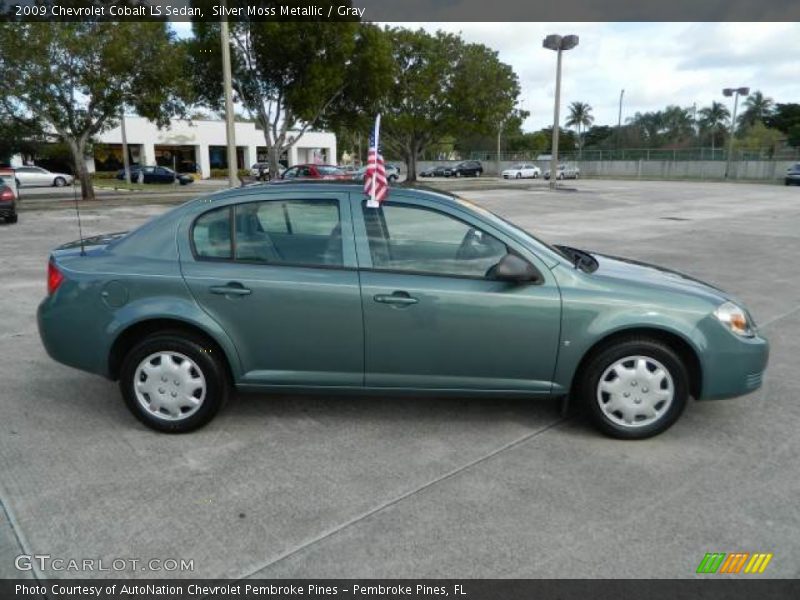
(316, 172)
(8, 200)
(37, 176)
(564, 172)
(467, 168)
(392, 174)
(522, 171)
(303, 287)
(262, 169)
(438, 171)
(155, 174)
(792, 175)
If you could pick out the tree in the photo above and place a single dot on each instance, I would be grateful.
(598, 135)
(759, 138)
(677, 124)
(442, 86)
(713, 119)
(76, 78)
(757, 107)
(786, 118)
(289, 76)
(580, 116)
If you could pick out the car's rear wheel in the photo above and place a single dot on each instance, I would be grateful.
(59, 182)
(12, 219)
(634, 389)
(173, 382)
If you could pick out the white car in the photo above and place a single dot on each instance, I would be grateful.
(564, 172)
(522, 171)
(37, 176)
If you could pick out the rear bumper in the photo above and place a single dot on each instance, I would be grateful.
(8, 209)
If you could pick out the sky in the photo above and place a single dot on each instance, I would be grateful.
(655, 63)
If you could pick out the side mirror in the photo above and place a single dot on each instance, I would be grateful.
(516, 269)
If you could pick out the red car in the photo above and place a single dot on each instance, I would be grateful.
(329, 172)
(8, 196)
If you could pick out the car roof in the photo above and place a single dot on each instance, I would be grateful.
(304, 185)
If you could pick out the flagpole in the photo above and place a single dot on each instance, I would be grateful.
(377, 145)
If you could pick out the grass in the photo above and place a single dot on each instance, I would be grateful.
(122, 185)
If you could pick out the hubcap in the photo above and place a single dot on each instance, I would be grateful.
(635, 391)
(169, 386)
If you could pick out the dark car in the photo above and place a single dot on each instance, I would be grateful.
(468, 168)
(792, 175)
(330, 172)
(156, 174)
(438, 171)
(8, 202)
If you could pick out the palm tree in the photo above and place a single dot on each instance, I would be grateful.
(677, 123)
(714, 118)
(648, 125)
(580, 116)
(756, 108)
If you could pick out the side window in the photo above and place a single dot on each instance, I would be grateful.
(299, 232)
(290, 173)
(415, 239)
(212, 234)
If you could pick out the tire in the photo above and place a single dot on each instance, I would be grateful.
(19, 185)
(535, 175)
(206, 364)
(458, 173)
(621, 362)
(12, 219)
(519, 175)
(59, 182)
(561, 176)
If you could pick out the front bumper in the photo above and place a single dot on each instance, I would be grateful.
(732, 366)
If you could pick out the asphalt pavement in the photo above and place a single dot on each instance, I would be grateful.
(324, 486)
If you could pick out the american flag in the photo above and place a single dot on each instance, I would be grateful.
(375, 184)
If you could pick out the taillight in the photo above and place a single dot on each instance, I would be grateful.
(54, 278)
(6, 194)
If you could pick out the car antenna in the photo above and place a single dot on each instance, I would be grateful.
(78, 213)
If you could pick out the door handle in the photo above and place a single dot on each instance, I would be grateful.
(231, 289)
(396, 298)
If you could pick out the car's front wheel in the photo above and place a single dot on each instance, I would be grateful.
(59, 182)
(634, 389)
(173, 382)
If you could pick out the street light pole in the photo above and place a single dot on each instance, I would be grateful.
(125, 161)
(226, 81)
(559, 44)
(735, 92)
(619, 117)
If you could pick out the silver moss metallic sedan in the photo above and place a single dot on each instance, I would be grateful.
(302, 287)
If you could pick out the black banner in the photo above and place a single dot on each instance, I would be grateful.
(710, 588)
(402, 10)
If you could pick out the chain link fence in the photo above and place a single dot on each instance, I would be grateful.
(677, 154)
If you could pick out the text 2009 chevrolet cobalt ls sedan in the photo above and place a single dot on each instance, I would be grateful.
(303, 287)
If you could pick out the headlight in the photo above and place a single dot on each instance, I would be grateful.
(735, 319)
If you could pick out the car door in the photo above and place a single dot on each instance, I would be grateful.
(278, 273)
(432, 317)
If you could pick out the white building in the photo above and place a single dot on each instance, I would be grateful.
(201, 145)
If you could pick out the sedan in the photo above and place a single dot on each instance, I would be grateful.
(564, 172)
(304, 287)
(37, 176)
(522, 171)
(792, 175)
(8, 200)
(329, 172)
(438, 171)
(155, 174)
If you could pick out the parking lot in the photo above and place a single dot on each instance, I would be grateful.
(406, 487)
